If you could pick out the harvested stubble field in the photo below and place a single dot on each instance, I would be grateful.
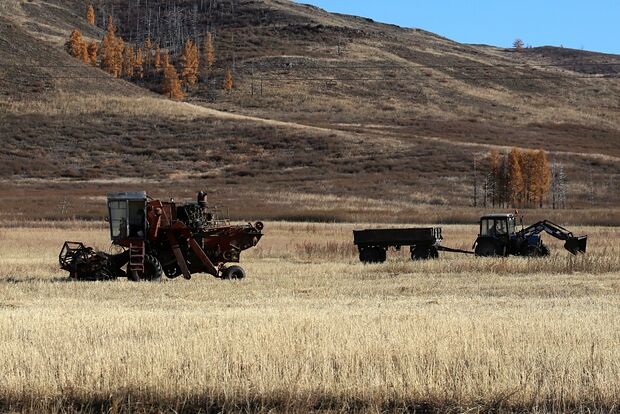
(312, 329)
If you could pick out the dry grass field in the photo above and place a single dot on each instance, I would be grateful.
(311, 329)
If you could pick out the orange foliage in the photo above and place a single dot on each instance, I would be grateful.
(111, 52)
(76, 46)
(189, 63)
(171, 85)
(157, 61)
(515, 177)
(229, 83)
(128, 62)
(139, 64)
(92, 53)
(90, 15)
(208, 51)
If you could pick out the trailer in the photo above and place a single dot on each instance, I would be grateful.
(498, 237)
(373, 244)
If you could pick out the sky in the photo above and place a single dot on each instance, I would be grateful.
(579, 24)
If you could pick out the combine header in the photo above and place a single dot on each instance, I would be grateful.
(162, 238)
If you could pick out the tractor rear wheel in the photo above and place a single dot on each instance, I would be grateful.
(486, 248)
(544, 250)
(152, 269)
(233, 273)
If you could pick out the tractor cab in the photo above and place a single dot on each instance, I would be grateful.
(127, 216)
(501, 226)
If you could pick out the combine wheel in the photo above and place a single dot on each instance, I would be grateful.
(152, 269)
(233, 273)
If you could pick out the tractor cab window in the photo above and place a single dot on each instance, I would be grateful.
(511, 225)
(118, 219)
(493, 227)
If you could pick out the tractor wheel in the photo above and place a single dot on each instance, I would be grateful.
(233, 273)
(544, 250)
(487, 248)
(152, 269)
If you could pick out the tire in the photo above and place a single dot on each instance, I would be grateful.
(373, 255)
(152, 269)
(544, 250)
(487, 248)
(420, 253)
(233, 273)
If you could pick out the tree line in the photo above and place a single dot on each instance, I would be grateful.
(520, 178)
(175, 75)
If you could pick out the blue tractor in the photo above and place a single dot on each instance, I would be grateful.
(499, 237)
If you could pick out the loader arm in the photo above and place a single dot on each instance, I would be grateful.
(574, 244)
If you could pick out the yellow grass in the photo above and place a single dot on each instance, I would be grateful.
(313, 329)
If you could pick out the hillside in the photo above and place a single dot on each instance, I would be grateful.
(332, 116)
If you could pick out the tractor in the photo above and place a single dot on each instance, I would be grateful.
(499, 237)
(156, 238)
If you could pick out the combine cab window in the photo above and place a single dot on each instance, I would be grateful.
(118, 219)
(137, 219)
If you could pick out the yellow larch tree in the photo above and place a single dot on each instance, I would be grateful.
(229, 82)
(90, 15)
(171, 85)
(208, 51)
(76, 46)
(111, 51)
(92, 53)
(157, 58)
(139, 64)
(542, 177)
(147, 49)
(128, 62)
(515, 177)
(189, 63)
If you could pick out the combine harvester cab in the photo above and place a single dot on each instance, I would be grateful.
(162, 238)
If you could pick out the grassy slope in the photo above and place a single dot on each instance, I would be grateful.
(407, 138)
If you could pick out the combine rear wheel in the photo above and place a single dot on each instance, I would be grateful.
(233, 273)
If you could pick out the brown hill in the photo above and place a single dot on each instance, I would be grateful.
(332, 116)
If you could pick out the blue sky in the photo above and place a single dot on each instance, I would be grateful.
(587, 24)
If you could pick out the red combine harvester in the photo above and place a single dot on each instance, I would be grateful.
(162, 238)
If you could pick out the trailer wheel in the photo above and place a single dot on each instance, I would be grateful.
(233, 273)
(424, 253)
(372, 255)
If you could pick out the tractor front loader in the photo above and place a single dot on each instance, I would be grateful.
(159, 238)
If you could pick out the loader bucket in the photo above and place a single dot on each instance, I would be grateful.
(576, 245)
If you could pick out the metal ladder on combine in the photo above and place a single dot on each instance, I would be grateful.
(136, 257)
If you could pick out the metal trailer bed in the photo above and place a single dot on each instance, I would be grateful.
(424, 243)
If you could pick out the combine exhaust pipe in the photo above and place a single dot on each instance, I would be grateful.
(576, 245)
